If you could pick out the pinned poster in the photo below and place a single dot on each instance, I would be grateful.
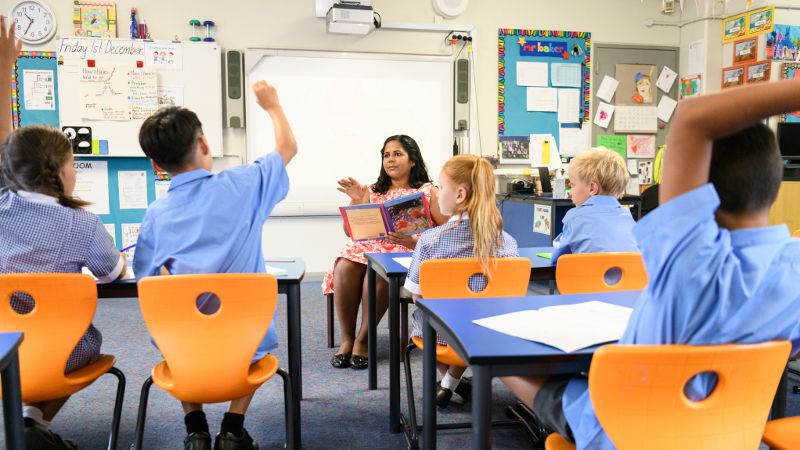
(666, 106)
(91, 185)
(645, 171)
(132, 189)
(541, 218)
(532, 74)
(615, 142)
(636, 119)
(573, 140)
(641, 146)
(632, 188)
(607, 89)
(569, 105)
(542, 99)
(566, 75)
(666, 79)
(163, 56)
(602, 118)
(130, 234)
(544, 151)
(633, 167)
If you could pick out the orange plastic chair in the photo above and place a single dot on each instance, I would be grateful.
(448, 278)
(64, 307)
(796, 234)
(207, 358)
(585, 272)
(783, 434)
(638, 395)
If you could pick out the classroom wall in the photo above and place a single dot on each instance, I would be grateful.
(292, 25)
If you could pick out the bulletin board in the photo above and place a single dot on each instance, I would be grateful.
(116, 215)
(516, 45)
(34, 89)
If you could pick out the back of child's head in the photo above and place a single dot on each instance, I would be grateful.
(604, 166)
(476, 175)
(169, 137)
(32, 159)
(746, 170)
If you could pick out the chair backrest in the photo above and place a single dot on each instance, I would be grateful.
(449, 278)
(638, 394)
(208, 350)
(586, 272)
(63, 308)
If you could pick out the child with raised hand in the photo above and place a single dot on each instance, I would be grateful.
(598, 223)
(212, 223)
(719, 274)
(43, 229)
(475, 229)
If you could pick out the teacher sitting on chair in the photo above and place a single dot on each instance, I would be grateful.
(402, 173)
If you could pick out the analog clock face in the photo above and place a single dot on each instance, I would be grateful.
(35, 22)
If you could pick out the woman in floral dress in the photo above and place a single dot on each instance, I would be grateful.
(403, 172)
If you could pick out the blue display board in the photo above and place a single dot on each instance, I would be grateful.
(516, 45)
(42, 108)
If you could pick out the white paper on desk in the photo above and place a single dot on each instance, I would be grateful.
(404, 261)
(132, 189)
(565, 327)
(602, 118)
(544, 152)
(542, 99)
(566, 74)
(574, 140)
(532, 74)
(91, 185)
(607, 89)
(569, 105)
(666, 106)
(275, 271)
(666, 79)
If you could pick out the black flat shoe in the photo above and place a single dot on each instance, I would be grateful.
(341, 361)
(464, 389)
(229, 441)
(443, 395)
(199, 440)
(359, 362)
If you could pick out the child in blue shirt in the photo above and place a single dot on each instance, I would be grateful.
(43, 229)
(598, 223)
(211, 223)
(718, 273)
(475, 229)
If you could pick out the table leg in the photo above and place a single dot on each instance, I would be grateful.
(394, 355)
(429, 384)
(12, 404)
(295, 352)
(481, 407)
(372, 329)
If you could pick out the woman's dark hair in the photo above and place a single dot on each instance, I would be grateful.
(169, 137)
(419, 173)
(32, 159)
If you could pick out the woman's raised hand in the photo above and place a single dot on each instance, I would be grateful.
(358, 192)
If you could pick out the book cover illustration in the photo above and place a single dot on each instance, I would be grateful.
(409, 214)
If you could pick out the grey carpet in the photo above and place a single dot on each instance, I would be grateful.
(337, 411)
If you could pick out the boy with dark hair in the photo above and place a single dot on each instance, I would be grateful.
(718, 273)
(211, 223)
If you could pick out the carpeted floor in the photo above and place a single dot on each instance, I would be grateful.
(338, 411)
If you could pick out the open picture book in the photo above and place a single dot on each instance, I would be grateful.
(409, 214)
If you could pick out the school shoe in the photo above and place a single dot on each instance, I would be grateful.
(341, 361)
(464, 388)
(39, 437)
(229, 441)
(199, 440)
(444, 395)
(359, 362)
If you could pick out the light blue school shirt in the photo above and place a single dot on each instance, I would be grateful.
(599, 225)
(212, 224)
(708, 285)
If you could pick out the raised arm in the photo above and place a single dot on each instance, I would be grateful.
(702, 120)
(9, 50)
(267, 98)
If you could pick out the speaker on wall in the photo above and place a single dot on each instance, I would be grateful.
(233, 87)
(461, 95)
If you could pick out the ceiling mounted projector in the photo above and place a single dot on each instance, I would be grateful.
(351, 17)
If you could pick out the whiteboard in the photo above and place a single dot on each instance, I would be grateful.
(342, 106)
(197, 78)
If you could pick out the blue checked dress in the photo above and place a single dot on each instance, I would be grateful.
(38, 235)
(451, 240)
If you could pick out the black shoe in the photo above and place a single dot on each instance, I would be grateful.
(341, 361)
(39, 437)
(464, 389)
(443, 395)
(359, 362)
(229, 441)
(199, 440)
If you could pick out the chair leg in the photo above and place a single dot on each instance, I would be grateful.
(404, 322)
(140, 418)
(112, 439)
(410, 429)
(288, 410)
(330, 320)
